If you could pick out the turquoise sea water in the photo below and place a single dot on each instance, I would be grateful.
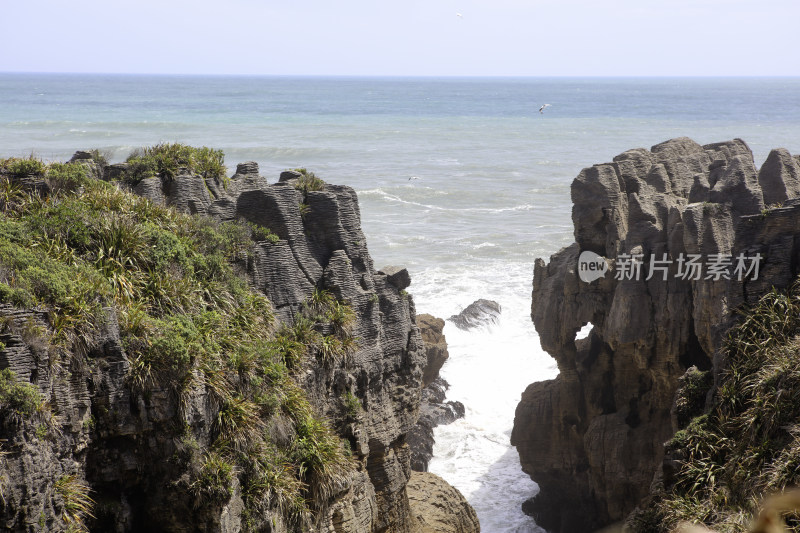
(461, 180)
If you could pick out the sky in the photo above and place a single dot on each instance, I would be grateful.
(409, 38)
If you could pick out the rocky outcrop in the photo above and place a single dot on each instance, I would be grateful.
(592, 438)
(434, 409)
(397, 276)
(122, 443)
(478, 313)
(432, 330)
(439, 507)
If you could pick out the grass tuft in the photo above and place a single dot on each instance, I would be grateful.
(214, 480)
(78, 505)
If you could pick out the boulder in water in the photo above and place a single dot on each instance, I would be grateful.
(478, 313)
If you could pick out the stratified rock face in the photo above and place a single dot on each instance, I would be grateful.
(779, 177)
(326, 249)
(434, 410)
(478, 313)
(439, 507)
(592, 438)
(122, 442)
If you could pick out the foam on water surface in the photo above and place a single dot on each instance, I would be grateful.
(488, 369)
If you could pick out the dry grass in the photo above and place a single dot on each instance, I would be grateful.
(770, 519)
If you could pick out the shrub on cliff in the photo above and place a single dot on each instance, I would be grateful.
(308, 181)
(166, 159)
(65, 176)
(22, 167)
(17, 400)
(748, 444)
(58, 175)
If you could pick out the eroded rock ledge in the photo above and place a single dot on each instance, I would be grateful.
(592, 438)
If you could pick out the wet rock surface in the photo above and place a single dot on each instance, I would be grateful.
(478, 313)
(434, 411)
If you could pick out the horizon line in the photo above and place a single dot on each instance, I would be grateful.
(409, 76)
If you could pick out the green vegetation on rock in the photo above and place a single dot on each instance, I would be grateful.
(308, 181)
(88, 252)
(17, 400)
(77, 504)
(166, 159)
(747, 445)
(22, 167)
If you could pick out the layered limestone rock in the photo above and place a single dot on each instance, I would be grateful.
(592, 438)
(121, 442)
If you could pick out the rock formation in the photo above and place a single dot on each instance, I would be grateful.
(434, 410)
(478, 313)
(438, 507)
(592, 438)
(432, 330)
(122, 444)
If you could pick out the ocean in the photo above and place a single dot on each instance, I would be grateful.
(461, 180)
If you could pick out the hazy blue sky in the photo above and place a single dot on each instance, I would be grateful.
(411, 37)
